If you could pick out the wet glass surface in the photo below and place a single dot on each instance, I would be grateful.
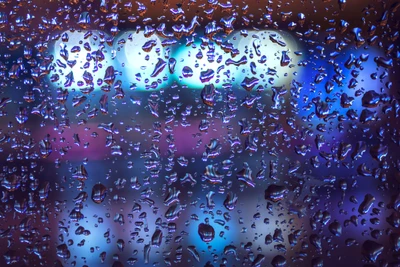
(199, 133)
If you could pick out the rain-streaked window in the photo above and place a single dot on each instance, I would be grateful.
(199, 133)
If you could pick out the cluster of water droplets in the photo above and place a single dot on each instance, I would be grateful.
(205, 133)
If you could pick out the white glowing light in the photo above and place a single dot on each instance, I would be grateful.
(137, 58)
(233, 66)
(201, 59)
(263, 51)
(80, 60)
